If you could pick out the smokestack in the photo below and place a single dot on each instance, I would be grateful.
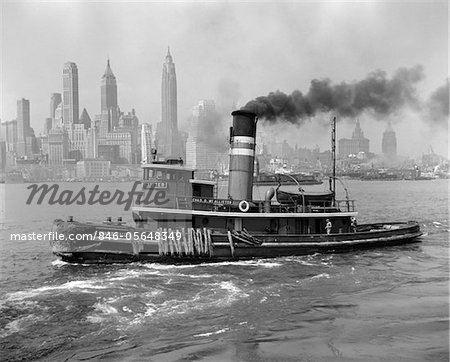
(242, 155)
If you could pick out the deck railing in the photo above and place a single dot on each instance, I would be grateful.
(226, 205)
(345, 205)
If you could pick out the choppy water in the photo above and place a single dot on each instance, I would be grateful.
(385, 304)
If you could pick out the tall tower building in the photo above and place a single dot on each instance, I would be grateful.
(389, 142)
(129, 122)
(55, 100)
(169, 93)
(23, 118)
(85, 119)
(108, 92)
(167, 132)
(58, 146)
(58, 119)
(200, 154)
(9, 134)
(356, 145)
(91, 143)
(70, 94)
(48, 125)
(146, 143)
(23, 125)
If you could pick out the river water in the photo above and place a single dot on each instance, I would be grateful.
(386, 304)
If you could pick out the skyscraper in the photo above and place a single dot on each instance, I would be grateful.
(48, 125)
(389, 142)
(108, 92)
(201, 154)
(58, 146)
(23, 118)
(9, 134)
(129, 122)
(146, 143)
(85, 119)
(55, 100)
(91, 143)
(23, 125)
(167, 131)
(58, 119)
(358, 143)
(70, 94)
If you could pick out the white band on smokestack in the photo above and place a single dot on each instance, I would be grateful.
(242, 152)
(243, 139)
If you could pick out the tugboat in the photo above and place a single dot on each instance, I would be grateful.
(192, 225)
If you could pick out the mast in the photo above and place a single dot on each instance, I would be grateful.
(333, 155)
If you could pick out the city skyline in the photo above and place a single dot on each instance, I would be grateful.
(215, 62)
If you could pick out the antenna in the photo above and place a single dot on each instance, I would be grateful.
(333, 155)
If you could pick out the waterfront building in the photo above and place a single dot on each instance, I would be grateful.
(123, 140)
(168, 139)
(70, 100)
(389, 142)
(108, 96)
(55, 101)
(355, 145)
(93, 169)
(109, 153)
(281, 150)
(69, 170)
(201, 154)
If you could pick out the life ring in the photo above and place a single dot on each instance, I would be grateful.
(244, 206)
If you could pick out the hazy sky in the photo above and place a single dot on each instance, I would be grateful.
(231, 52)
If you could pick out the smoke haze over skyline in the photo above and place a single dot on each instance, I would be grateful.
(324, 55)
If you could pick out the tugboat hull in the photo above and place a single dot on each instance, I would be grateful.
(220, 246)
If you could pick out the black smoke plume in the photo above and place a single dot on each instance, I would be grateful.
(438, 105)
(377, 93)
(212, 131)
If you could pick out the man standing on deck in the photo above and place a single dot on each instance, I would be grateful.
(328, 226)
(353, 224)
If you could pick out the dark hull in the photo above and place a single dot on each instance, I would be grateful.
(125, 251)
